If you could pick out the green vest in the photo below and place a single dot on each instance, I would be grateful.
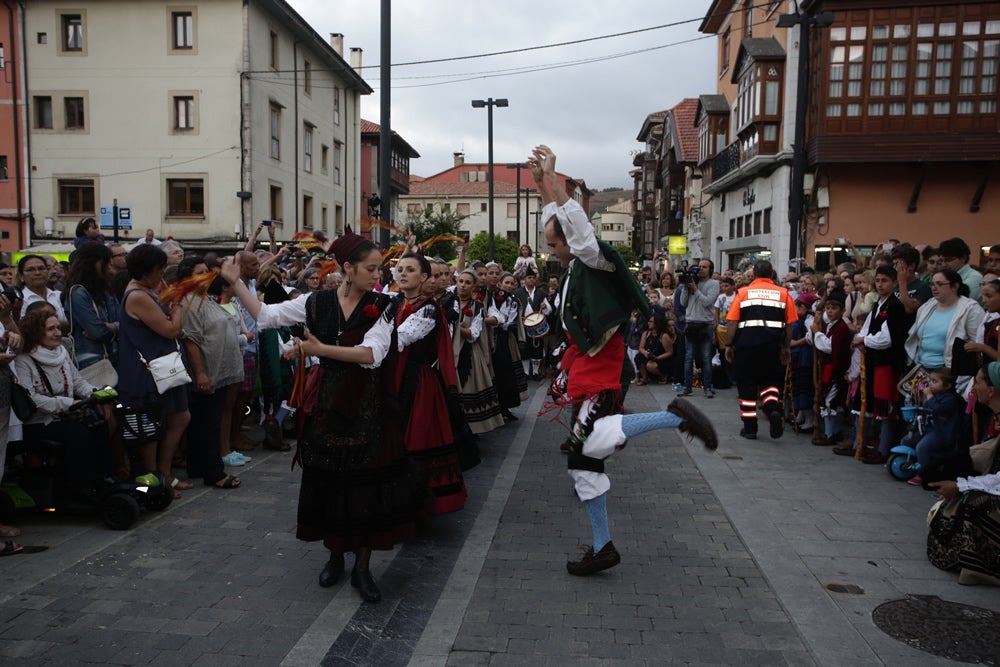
(599, 301)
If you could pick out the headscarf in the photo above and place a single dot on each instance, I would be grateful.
(993, 374)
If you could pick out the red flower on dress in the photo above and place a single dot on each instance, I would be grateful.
(499, 298)
(883, 315)
(371, 311)
(479, 297)
(467, 312)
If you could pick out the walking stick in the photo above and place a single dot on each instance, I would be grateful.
(864, 406)
(786, 400)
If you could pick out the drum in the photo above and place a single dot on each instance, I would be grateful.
(536, 326)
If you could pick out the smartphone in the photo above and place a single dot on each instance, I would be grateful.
(841, 241)
(266, 223)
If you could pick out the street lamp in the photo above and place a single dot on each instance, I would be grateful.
(489, 103)
(796, 199)
(517, 199)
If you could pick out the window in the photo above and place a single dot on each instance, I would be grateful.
(186, 197)
(274, 50)
(184, 112)
(76, 196)
(307, 211)
(307, 77)
(3, 167)
(75, 119)
(336, 106)
(277, 206)
(767, 220)
(511, 210)
(462, 209)
(482, 208)
(338, 148)
(324, 158)
(275, 132)
(446, 207)
(307, 158)
(72, 32)
(43, 112)
(413, 208)
(724, 54)
(183, 25)
(324, 218)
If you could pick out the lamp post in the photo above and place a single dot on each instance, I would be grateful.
(527, 216)
(517, 199)
(796, 198)
(489, 103)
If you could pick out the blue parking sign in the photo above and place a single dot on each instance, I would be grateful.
(124, 217)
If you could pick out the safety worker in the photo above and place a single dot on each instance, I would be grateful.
(759, 334)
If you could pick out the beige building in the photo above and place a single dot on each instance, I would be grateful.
(613, 225)
(204, 117)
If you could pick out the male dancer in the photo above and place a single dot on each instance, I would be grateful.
(598, 294)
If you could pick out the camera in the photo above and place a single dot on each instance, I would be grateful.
(266, 223)
(688, 275)
(12, 292)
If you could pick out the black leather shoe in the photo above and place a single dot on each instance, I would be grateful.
(332, 571)
(363, 581)
(590, 563)
(749, 435)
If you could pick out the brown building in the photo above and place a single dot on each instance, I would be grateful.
(903, 134)
(14, 205)
(399, 172)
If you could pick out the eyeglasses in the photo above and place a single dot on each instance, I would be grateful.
(940, 283)
(120, 254)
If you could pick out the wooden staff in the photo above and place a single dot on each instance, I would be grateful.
(789, 396)
(863, 388)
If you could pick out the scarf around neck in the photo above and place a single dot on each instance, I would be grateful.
(47, 357)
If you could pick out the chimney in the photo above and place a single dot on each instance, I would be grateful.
(356, 52)
(459, 159)
(337, 42)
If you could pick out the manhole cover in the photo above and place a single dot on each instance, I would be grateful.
(948, 629)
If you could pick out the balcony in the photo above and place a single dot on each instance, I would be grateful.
(739, 161)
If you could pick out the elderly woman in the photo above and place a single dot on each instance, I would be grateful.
(94, 313)
(949, 315)
(54, 384)
(174, 252)
(33, 272)
(962, 532)
(211, 340)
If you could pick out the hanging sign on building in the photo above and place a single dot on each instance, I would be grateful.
(677, 245)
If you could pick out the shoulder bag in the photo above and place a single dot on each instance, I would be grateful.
(168, 371)
(102, 373)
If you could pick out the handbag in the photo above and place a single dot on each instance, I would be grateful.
(102, 373)
(168, 371)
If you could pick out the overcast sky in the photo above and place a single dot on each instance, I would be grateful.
(589, 114)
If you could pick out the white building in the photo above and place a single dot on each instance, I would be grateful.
(471, 198)
(204, 117)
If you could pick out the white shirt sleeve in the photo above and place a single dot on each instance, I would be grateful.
(823, 342)
(378, 338)
(284, 314)
(417, 326)
(880, 340)
(507, 313)
(987, 483)
(477, 326)
(579, 233)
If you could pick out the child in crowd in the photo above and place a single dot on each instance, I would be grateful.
(802, 363)
(636, 326)
(832, 340)
(943, 413)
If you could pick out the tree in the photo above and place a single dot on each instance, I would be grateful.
(504, 250)
(626, 252)
(434, 221)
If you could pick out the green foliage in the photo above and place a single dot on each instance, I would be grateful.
(627, 254)
(436, 221)
(504, 250)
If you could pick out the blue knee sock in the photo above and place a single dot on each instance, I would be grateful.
(633, 425)
(597, 508)
(280, 414)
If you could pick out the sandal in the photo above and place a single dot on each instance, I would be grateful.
(227, 482)
(10, 548)
(179, 485)
(9, 531)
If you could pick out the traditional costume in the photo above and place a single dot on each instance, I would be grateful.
(477, 394)
(833, 346)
